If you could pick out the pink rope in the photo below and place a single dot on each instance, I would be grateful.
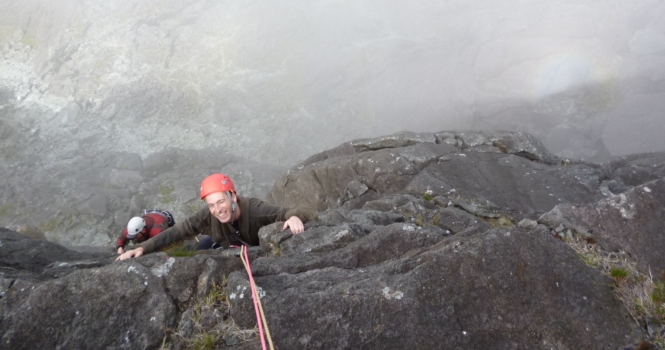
(243, 250)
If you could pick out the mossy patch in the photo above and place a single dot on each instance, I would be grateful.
(500, 222)
(7, 210)
(179, 250)
(55, 222)
(166, 193)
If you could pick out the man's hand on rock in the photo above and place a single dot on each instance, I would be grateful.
(134, 253)
(120, 250)
(295, 224)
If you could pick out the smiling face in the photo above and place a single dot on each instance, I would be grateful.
(219, 205)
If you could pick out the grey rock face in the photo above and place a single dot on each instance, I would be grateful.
(495, 169)
(92, 206)
(632, 221)
(74, 302)
(472, 293)
(35, 259)
(111, 307)
(441, 250)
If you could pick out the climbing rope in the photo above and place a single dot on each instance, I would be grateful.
(260, 316)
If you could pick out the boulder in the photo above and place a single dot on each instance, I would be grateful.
(87, 301)
(398, 287)
(633, 222)
(120, 305)
(499, 169)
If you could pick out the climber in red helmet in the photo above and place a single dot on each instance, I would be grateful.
(230, 219)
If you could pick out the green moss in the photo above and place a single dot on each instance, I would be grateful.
(428, 197)
(166, 193)
(179, 251)
(57, 221)
(165, 190)
(7, 210)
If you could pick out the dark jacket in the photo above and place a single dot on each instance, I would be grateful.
(254, 214)
(154, 222)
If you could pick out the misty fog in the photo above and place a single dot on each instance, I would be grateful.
(277, 81)
(282, 80)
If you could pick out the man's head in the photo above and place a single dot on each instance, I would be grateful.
(222, 205)
(135, 227)
(218, 191)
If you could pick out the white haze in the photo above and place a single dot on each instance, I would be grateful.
(281, 80)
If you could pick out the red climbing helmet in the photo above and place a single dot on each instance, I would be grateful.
(216, 183)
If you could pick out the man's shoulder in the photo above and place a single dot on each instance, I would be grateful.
(254, 202)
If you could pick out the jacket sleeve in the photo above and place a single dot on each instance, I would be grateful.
(189, 227)
(122, 241)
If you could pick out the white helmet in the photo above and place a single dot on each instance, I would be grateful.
(134, 226)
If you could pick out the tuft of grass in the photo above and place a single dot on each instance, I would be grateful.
(428, 197)
(204, 341)
(658, 297)
(618, 273)
(643, 298)
(658, 294)
(207, 335)
(217, 293)
(179, 250)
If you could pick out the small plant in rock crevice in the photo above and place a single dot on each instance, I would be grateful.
(211, 325)
(618, 274)
(642, 296)
(180, 250)
(499, 222)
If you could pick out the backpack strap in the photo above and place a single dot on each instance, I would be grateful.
(165, 213)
